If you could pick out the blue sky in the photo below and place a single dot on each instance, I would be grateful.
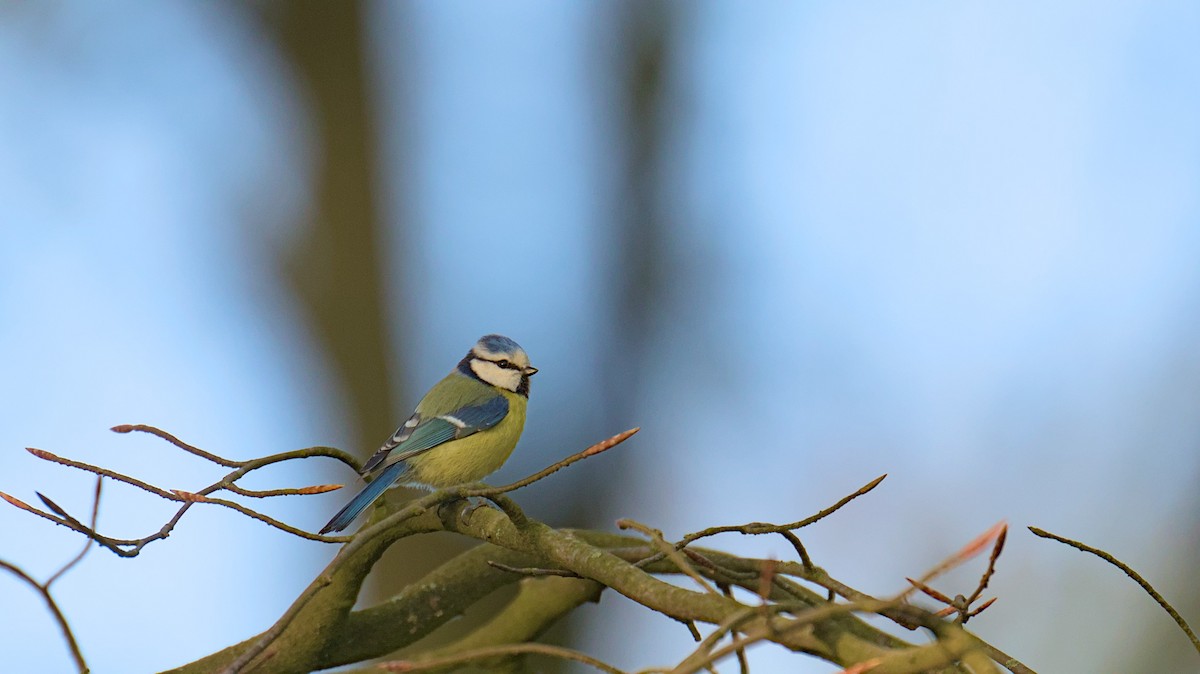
(952, 243)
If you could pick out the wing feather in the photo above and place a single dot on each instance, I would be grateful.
(403, 433)
(421, 434)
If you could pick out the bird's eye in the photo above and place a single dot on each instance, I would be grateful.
(504, 364)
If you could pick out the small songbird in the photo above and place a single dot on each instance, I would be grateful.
(464, 428)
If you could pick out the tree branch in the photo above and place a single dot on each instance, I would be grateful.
(1137, 578)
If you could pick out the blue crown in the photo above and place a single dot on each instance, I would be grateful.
(499, 344)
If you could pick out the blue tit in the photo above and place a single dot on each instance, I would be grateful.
(464, 428)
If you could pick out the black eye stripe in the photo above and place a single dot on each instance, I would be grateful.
(503, 362)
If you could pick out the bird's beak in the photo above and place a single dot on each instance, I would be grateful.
(530, 371)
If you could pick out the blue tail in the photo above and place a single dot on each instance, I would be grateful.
(365, 497)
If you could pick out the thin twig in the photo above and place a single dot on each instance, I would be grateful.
(133, 547)
(497, 652)
(1137, 578)
(756, 528)
(728, 626)
(966, 552)
(314, 452)
(157, 432)
(960, 604)
(266, 519)
(657, 540)
(330, 452)
(1007, 661)
(533, 572)
(44, 588)
(86, 546)
(991, 567)
(267, 493)
(97, 470)
(63, 625)
(703, 656)
(599, 447)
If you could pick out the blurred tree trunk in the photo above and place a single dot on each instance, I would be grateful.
(634, 37)
(643, 234)
(336, 263)
(640, 36)
(338, 267)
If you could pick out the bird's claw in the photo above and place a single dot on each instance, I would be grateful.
(464, 514)
(473, 503)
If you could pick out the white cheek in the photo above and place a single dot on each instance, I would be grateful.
(511, 381)
(496, 375)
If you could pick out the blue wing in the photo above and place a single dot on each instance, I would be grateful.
(420, 434)
(364, 498)
(403, 433)
(417, 435)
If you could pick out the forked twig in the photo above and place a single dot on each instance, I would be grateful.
(43, 589)
(87, 547)
(786, 530)
(132, 547)
(996, 532)
(960, 604)
(657, 540)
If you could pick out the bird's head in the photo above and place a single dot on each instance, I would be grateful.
(501, 362)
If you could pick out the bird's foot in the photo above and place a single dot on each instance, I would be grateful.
(465, 512)
(474, 503)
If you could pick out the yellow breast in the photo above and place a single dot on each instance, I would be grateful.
(474, 457)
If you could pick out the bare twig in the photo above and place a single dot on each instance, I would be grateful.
(701, 656)
(991, 567)
(44, 588)
(1137, 578)
(497, 652)
(220, 461)
(996, 532)
(132, 547)
(962, 605)
(97, 470)
(756, 528)
(61, 619)
(599, 447)
(86, 546)
(533, 572)
(1007, 661)
(657, 540)
(298, 491)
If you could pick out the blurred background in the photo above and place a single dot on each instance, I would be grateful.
(799, 244)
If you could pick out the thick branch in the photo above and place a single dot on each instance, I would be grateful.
(540, 603)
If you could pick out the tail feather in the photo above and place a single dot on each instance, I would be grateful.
(365, 498)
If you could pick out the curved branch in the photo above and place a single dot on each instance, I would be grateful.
(1137, 578)
(540, 602)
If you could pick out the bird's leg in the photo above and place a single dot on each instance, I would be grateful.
(474, 503)
(465, 512)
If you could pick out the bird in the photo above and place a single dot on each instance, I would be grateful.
(464, 428)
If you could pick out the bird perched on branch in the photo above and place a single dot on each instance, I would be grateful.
(464, 428)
